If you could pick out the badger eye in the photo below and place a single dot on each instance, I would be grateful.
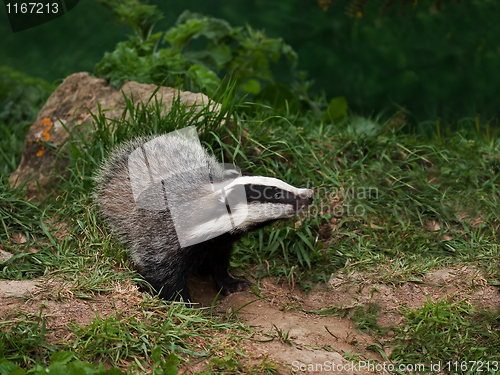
(278, 196)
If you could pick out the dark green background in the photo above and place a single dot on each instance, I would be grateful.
(437, 64)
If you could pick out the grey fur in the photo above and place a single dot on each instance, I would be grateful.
(150, 233)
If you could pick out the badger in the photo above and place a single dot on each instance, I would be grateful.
(179, 211)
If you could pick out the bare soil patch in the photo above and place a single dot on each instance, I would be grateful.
(287, 329)
(28, 299)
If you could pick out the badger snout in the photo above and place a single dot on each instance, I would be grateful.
(306, 198)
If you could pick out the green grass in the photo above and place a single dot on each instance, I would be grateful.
(366, 319)
(410, 205)
(414, 182)
(21, 97)
(452, 333)
(24, 341)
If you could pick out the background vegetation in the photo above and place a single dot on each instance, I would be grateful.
(365, 61)
(435, 63)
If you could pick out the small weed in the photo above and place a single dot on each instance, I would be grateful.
(365, 318)
(350, 356)
(283, 336)
(227, 363)
(331, 311)
(164, 366)
(266, 366)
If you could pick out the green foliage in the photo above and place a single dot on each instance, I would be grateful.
(336, 110)
(66, 363)
(449, 180)
(355, 8)
(446, 331)
(18, 216)
(21, 97)
(164, 367)
(377, 190)
(294, 245)
(435, 64)
(24, 348)
(116, 338)
(16, 213)
(205, 53)
(409, 55)
(366, 319)
(138, 16)
(24, 341)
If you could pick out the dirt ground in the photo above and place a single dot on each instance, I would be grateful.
(312, 338)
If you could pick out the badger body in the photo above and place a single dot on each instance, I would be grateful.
(148, 200)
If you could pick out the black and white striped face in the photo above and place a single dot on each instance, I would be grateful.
(269, 199)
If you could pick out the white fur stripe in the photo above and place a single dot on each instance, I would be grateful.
(265, 181)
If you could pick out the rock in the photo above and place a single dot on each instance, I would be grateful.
(5, 255)
(68, 105)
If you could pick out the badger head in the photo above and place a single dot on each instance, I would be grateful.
(265, 200)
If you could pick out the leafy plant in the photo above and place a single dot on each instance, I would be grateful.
(138, 16)
(204, 54)
(64, 363)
